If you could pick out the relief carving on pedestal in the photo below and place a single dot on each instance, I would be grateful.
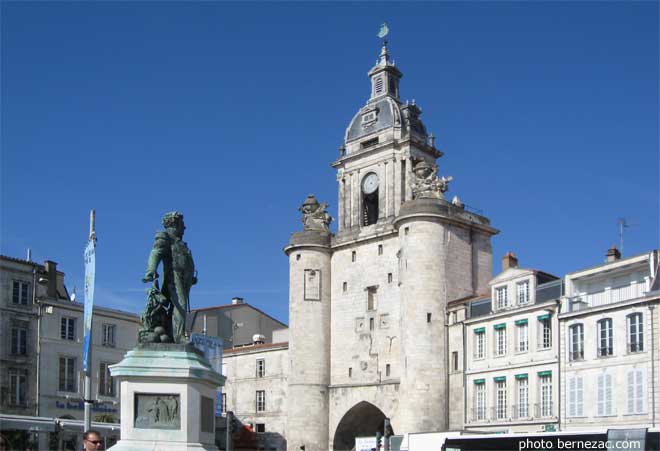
(157, 411)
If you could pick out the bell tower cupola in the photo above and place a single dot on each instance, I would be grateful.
(384, 76)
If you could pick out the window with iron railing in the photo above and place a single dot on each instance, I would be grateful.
(635, 332)
(480, 402)
(500, 400)
(18, 387)
(546, 395)
(521, 410)
(605, 338)
(576, 342)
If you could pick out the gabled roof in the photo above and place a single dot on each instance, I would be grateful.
(237, 306)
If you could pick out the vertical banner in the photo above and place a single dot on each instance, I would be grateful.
(212, 349)
(90, 274)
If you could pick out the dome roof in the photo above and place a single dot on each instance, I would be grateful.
(373, 117)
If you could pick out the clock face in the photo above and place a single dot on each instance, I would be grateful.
(370, 183)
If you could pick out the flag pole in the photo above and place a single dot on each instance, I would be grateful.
(90, 270)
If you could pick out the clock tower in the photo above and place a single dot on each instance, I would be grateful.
(383, 141)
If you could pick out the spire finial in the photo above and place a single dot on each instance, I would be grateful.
(382, 32)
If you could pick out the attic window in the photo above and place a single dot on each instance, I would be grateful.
(379, 85)
(369, 143)
(369, 118)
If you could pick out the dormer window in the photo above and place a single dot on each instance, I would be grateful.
(369, 118)
(501, 297)
(522, 289)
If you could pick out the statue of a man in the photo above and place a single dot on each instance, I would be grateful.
(178, 270)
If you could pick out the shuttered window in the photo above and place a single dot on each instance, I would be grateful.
(635, 391)
(605, 406)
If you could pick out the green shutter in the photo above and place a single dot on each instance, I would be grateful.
(543, 317)
(480, 330)
(479, 381)
(544, 373)
(500, 379)
(521, 322)
(500, 326)
(521, 376)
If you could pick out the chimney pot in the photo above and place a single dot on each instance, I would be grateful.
(613, 254)
(236, 301)
(51, 272)
(509, 261)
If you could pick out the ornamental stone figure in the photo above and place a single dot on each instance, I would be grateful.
(164, 317)
(315, 216)
(426, 183)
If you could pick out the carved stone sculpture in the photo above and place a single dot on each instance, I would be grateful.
(315, 216)
(164, 317)
(426, 184)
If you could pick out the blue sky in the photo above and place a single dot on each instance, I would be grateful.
(231, 113)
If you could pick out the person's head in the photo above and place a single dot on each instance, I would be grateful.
(92, 441)
(173, 222)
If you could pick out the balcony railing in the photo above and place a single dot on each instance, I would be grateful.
(608, 296)
(636, 347)
(543, 410)
(576, 355)
(479, 414)
(605, 351)
(519, 411)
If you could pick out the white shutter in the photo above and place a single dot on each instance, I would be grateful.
(639, 391)
(572, 396)
(601, 394)
(630, 382)
(608, 394)
(580, 397)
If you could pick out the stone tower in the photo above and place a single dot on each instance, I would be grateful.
(401, 253)
(309, 329)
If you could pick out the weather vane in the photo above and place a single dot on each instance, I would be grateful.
(383, 31)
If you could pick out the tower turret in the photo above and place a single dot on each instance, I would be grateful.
(309, 329)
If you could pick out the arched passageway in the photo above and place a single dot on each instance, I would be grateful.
(362, 420)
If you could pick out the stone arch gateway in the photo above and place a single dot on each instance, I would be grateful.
(362, 420)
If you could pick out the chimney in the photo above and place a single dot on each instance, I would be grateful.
(613, 254)
(509, 261)
(236, 301)
(29, 254)
(51, 273)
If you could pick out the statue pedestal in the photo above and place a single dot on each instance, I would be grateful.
(168, 394)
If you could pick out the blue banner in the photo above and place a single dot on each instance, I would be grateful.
(212, 349)
(90, 275)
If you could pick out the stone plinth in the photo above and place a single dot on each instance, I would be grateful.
(168, 394)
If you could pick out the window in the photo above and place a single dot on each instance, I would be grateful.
(106, 381)
(261, 367)
(480, 401)
(344, 287)
(371, 324)
(523, 397)
(389, 277)
(20, 293)
(109, 335)
(454, 360)
(522, 342)
(635, 391)
(546, 395)
(500, 399)
(605, 394)
(428, 317)
(350, 372)
(576, 397)
(500, 295)
(576, 342)
(68, 374)
(261, 401)
(500, 341)
(522, 289)
(379, 85)
(479, 344)
(406, 230)
(604, 328)
(635, 332)
(380, 249)
(372, 299)
(353, 256)
(19, 339)
(260, 428)
(17, 387)
(387, 369)
(68, 328)
(223, 402)
(545, 339)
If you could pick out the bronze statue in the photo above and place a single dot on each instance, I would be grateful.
(164, 317)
